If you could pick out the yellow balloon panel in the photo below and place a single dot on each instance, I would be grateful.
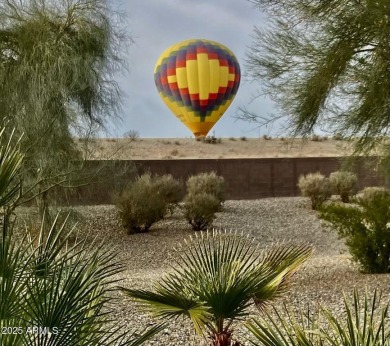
(197, 80)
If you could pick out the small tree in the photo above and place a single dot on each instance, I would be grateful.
(344, 184)
(326, 63)
(57, 63)
(316, 187)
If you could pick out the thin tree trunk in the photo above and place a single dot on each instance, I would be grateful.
(43, 209)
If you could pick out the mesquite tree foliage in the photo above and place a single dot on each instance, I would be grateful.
(57, 65)
(326, 63)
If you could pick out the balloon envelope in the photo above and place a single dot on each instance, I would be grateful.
(197, 79)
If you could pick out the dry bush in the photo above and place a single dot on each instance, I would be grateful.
(371, 192)
(338, 137)
(170, 189)
(209, 183)
(316, 138)
(200, 209)
(344, 184)
(316, 187)
(141, 205)
(211, 140)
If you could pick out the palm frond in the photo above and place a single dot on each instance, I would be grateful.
(277, 266)
(168, 302)
(216, 276)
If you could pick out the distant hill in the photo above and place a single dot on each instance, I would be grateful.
(189, 148)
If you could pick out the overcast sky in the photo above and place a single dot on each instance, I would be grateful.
(157, 24)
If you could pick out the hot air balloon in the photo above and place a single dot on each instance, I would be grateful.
(197, 79)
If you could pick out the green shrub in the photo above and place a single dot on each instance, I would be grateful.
(344, 184)
(200, 209)
(170, 189)
(141, 205)
(209, 183)
(371, 192)
(316, 187)
(365, 227)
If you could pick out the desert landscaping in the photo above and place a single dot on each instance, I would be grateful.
(257, 215)
(324, 279)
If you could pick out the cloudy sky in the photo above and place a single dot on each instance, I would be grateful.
(157, 24)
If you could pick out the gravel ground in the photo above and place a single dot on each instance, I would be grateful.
(322, 280)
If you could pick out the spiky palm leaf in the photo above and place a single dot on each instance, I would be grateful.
(47, 284)
(284, 329)
(363, 325)
(68, 293)
(216, 276)
(366, 324)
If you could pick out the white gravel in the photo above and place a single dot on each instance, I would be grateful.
(323, 279)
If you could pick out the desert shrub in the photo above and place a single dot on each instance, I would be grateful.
(175, 152)
(338, 137)
(141, 205)
(200, 209)
(132, 134)
(211, 140)
(365, 226)
(316, 138)
(344, 184)
(316, 187)
(371, 192)
(243, 138)
(209, 183)
(170, 189)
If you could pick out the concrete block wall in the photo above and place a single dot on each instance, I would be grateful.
(245, 178)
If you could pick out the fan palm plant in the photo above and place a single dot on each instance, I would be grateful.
(53, 292)
(364, 324)
(216, 277)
